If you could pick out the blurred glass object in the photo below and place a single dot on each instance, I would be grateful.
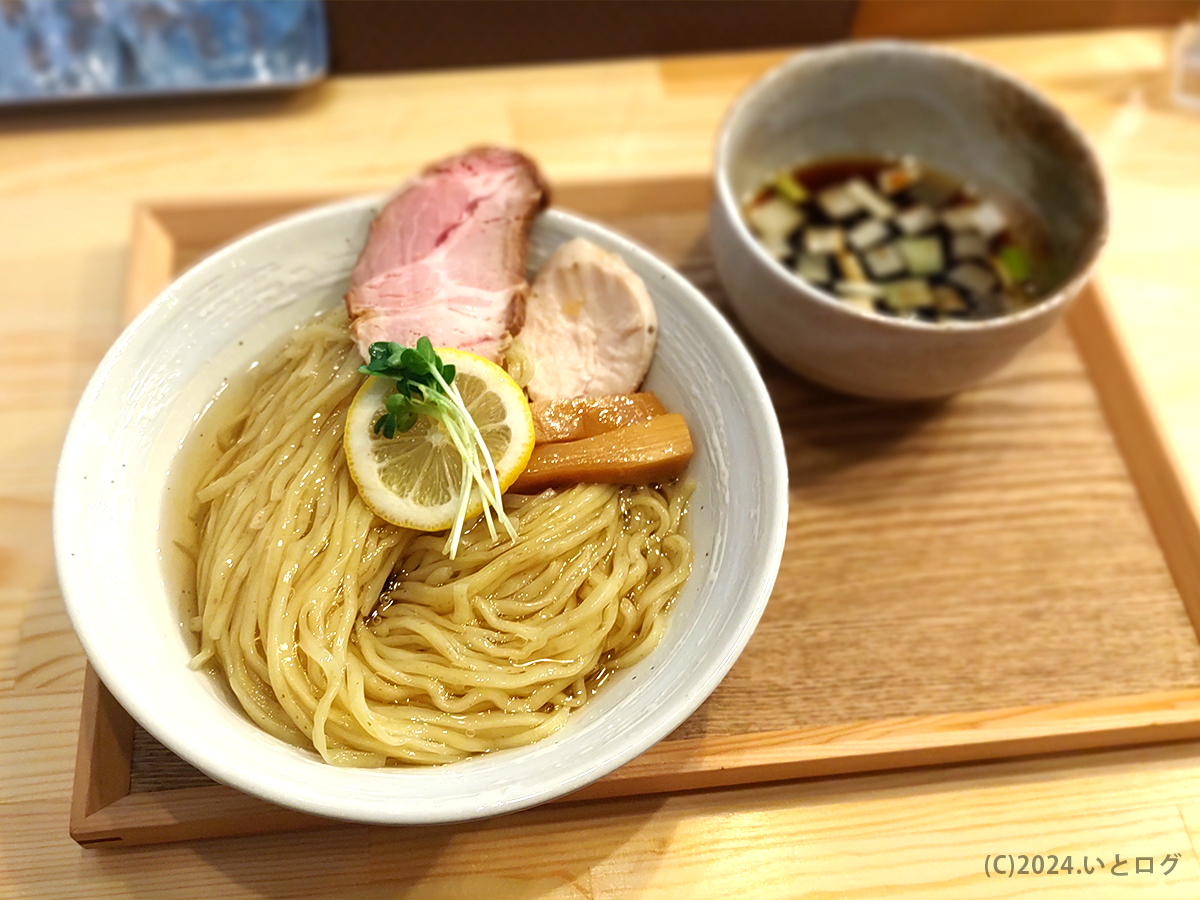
(1185, 66)
(71, 49)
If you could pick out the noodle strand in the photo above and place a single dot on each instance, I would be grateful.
(340, 632)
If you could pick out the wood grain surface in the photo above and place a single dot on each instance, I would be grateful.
(69, 182)
(971, 578)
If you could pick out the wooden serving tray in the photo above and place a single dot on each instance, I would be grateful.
(1007, 572)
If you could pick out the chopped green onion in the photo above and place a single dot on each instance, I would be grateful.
(923, 255)
(1015, 262)
(787, 187)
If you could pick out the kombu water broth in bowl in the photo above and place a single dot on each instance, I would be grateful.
(891, 100)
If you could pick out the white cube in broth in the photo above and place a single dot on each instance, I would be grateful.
(885, 261)
(839, 202)
(960, 218)
(972, 277)
(916, 220)
(869, 199)
(909, 294)
(774, 218)
(823, 240)
(990, 220)
(867, 234)
(864, 289)
(968, 245)
(814, 267)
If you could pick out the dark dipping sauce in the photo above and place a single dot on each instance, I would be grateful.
(897, 238)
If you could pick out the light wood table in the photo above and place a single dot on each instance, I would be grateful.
(68, 180)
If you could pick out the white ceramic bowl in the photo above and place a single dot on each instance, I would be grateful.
(949, 111)
(154, 382)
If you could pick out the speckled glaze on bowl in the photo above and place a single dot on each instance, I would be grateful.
(146, 395)
(889, 98)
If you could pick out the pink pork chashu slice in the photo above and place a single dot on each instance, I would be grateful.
(445, 257)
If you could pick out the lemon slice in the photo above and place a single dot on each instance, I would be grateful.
(413, 479)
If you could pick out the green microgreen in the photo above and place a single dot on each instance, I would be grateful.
(425, 387)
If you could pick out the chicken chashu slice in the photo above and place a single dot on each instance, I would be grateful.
(445, 257)
(590, 325)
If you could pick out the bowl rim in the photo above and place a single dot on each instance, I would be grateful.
(739, 110)
(277, 788)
